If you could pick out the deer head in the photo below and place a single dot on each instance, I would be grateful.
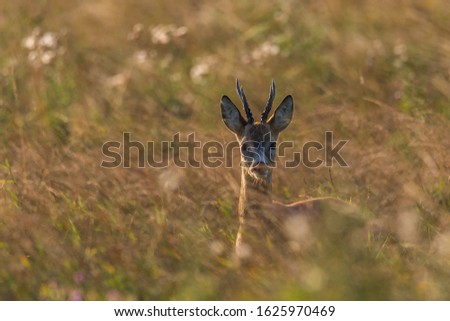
(257, 140)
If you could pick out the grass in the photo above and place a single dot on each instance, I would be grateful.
(376, 73)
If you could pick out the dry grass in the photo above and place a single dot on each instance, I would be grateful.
(374, 72)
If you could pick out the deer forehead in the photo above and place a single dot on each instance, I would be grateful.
(258, 132)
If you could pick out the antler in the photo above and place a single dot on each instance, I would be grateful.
(266, 112)
(241, 94)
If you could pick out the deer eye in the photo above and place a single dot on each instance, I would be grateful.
(247, 146)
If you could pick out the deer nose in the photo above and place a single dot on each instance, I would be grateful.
(261, 169)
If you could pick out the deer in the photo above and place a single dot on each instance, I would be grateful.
(258, 213)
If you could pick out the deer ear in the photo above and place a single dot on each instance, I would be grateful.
(232, 117)
(283, 115)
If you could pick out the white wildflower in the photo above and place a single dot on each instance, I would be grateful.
(180, 31)
(140, 56)
(265, 50)
(163, 34)
(216, 247)
(170, 179)
(160, 34)
(47, 57)
(117, 80)
(135, 32)
(202, 69)
(199, 71)
(29, 42)
(42, 47)
(48, 40)
(270, 49)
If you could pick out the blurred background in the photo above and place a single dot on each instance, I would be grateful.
(76, 74)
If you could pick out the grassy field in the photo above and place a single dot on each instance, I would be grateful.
(76, 74)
